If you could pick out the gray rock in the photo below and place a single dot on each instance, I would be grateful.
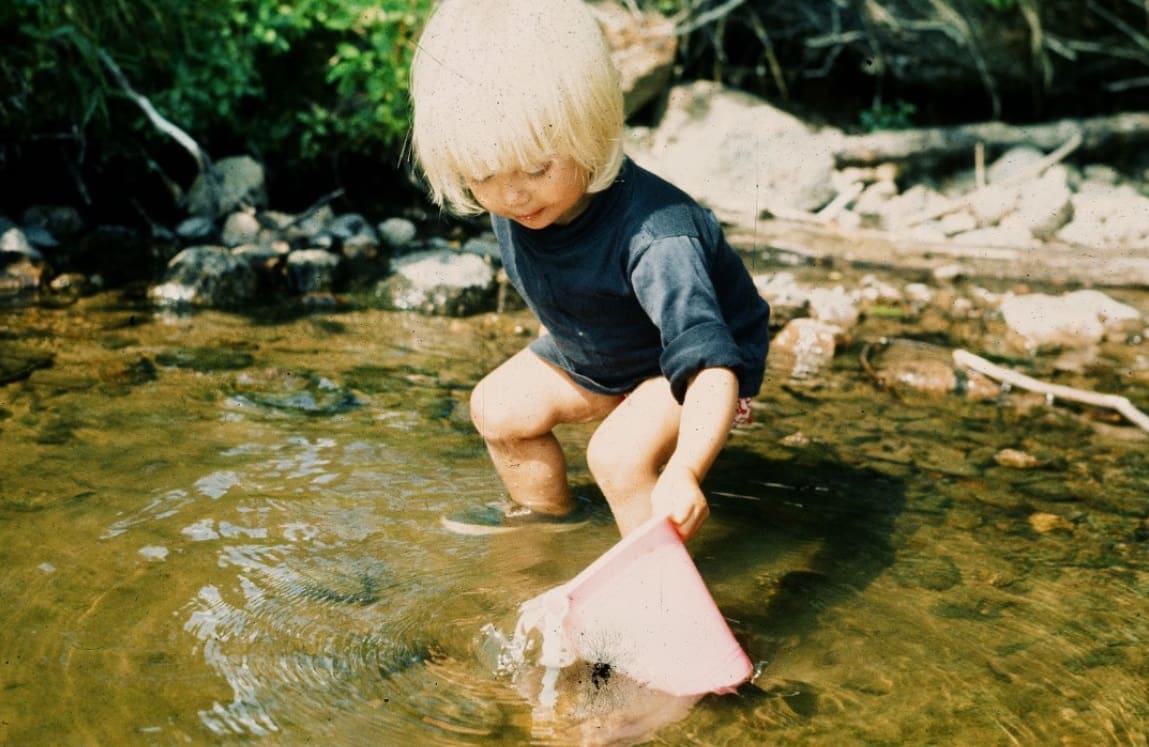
(739, 155)
(241, 227)
(314, 271)
(196, 228)
(233, 183)
(15, 241)
(443, 283)
(206, 276)
(397, 233)
(61, 221)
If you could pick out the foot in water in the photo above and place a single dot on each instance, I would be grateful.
(507, 516)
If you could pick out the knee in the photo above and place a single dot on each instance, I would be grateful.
(609, 460)
(496, 419)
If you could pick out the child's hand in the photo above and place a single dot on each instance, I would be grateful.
(679, 496)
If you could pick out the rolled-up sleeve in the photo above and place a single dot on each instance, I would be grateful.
(672, 282)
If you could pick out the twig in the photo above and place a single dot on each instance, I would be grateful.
(322, 201)
(709, 16)
(156, 118)
(1116, 402)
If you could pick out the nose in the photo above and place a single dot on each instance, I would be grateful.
(514, 192)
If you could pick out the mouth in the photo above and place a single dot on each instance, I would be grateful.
(529, 217)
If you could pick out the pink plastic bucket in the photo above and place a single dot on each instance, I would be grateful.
(643, 608)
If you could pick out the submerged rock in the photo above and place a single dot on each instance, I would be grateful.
(294, 391)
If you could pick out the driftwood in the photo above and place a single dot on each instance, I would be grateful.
(1054, 263)
(1120, 404)
(961, 141)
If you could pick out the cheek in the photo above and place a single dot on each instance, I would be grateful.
(482, 193)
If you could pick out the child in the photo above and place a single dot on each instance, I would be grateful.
(651, 323)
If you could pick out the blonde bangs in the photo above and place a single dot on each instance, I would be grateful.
(500, 85)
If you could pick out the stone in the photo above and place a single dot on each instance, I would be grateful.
(803, 348)
(233, 182)
(439, 282)
(206, 276)
(739, 155)
(314, 271)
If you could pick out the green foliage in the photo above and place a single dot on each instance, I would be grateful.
(896, 116)
(1002, 6)
(302, 77)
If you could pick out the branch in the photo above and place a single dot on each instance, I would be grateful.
(156, 118)
(709, 16)
(1116, 402)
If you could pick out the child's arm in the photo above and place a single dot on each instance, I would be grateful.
(707, 413)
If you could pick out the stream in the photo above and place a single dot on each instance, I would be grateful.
(222, 528)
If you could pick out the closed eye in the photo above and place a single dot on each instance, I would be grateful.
(537, 171)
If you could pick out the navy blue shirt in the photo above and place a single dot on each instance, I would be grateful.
(643, 283)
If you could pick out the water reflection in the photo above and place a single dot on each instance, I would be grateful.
(180, 564)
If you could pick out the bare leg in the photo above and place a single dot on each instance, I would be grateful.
(629, 449)
(515, 408)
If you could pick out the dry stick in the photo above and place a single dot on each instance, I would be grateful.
(1116, 402)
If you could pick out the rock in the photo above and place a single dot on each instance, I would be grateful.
(1013, 164)
(643, 46)
(61, 221)
(1044, 207)
(241, 227)
(834, 306)
(788, 300)
(1044, 523)
(204, 359)
(235, 182)
(1015, 459)
(15, 242)
(739, 155)
(353, 232)
(20, 276)
(196, 229)
(1076, 319)
(315, 271)
(206, 276)
(439, 282)
(70, 282)
(397, 233)
(803, 348)
(993, 203)
(293, 391)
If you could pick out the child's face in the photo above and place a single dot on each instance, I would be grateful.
(554, 192)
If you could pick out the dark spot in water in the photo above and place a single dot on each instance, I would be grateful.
(600, 673)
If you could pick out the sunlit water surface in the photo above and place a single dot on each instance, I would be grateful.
(223, 529)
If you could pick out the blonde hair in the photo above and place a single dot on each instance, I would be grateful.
(498, 85)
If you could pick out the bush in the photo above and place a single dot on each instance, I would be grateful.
(299, 78)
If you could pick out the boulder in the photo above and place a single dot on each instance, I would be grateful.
(739, 155)
(440, 282)
(206, 276)
(232, 183)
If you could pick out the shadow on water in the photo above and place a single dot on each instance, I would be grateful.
(812, 531)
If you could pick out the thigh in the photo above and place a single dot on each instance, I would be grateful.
(530, 396)
(643, 430)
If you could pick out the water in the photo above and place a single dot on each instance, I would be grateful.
(224, 529)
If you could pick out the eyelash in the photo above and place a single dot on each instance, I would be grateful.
(532, 173)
